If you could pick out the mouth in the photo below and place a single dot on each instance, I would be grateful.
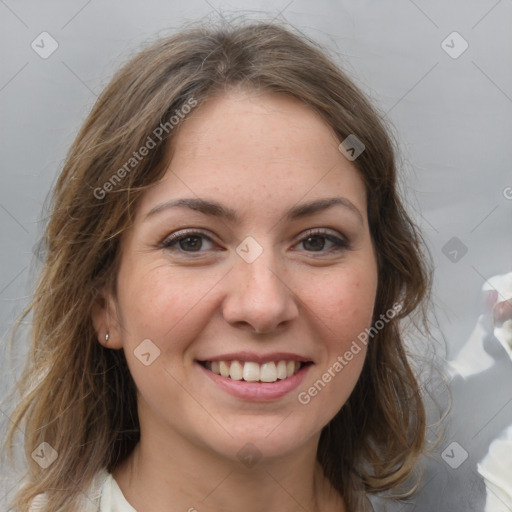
(251, 371)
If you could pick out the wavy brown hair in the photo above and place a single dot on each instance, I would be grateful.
(77, 395)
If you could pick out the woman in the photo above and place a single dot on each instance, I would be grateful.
(216, 326)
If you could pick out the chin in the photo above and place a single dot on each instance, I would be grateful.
(250, 442)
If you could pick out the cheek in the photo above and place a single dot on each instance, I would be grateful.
(344, 302)
(167, 308)
(157, 303)
(343, 306)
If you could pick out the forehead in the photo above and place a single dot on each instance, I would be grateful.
(248, 124)
(255, 147)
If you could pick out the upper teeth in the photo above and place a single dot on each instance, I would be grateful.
(254, 372)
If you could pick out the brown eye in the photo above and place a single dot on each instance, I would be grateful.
(318, 241)
(315, 243)
(186, 242)
(192, 243)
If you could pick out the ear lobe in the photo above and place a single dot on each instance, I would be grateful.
(104, 319)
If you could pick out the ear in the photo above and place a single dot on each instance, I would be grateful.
(105, 320)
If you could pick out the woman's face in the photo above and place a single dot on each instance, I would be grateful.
(251, 256)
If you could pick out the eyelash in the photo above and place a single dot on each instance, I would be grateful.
(171, 241)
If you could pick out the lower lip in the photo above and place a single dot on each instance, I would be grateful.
(258, 391)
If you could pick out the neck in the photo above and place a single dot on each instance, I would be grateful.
(163, 472)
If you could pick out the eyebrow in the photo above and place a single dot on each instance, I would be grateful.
(215, 209)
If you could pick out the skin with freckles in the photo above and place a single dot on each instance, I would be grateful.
(310, 292)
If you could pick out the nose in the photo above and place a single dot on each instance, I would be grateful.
(259, 299)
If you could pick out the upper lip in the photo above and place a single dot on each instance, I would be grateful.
(257, 358)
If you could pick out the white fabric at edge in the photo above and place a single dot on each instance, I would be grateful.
(112, 498)
(104, 496)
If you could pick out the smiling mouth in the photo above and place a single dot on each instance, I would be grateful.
(251, 371)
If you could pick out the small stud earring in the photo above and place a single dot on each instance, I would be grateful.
(107, 336)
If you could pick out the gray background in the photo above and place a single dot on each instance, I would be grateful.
(452, 116)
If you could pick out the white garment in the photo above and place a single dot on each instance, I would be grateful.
(104, 495)
(496, 468)
(112, 499)
(473, 358)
